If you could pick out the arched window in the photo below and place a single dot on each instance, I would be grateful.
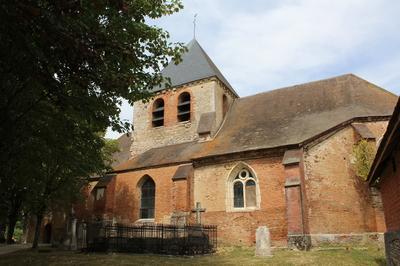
(224, 105)
(238, 200)
(158, 113)
(147, 200)
(184, 107)
(244, 187)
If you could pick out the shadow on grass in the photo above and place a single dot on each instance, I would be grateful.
(381, 261)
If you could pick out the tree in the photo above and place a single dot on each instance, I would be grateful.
(76, 60)
(63, 162)
(3, 222)
(111, 146)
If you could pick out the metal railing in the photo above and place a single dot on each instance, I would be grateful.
(149, 238)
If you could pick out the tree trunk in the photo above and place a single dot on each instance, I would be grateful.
(25, 229)
(13, 214)
(39, 218)
(12, 220)
(2, 232)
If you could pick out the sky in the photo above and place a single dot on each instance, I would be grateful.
(261, 45)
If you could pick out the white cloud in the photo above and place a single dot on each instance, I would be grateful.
(301, 39)
(261, 45)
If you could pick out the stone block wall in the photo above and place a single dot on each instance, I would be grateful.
(206, 96)
(220, 91)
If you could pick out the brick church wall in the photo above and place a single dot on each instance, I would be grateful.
(389, 187)
(339, 201)
(238, 227)
(390, 190)
(84, 209)
(170, 196)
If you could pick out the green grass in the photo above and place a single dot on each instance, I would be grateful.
(224, 256)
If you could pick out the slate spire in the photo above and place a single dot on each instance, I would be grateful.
(195, 65)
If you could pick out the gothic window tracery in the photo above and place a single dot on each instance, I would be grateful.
(244, 190)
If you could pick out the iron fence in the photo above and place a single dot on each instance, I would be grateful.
(149, 238)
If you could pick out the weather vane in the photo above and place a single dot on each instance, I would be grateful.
(194, 25)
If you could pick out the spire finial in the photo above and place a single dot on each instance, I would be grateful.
(194, 26)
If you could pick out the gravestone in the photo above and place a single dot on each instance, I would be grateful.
(74, 245)
(179, 218)
(263, 242)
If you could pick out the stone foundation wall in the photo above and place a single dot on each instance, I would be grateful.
(392, 248)
(346, 239)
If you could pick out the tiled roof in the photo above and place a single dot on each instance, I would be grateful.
(278, 118)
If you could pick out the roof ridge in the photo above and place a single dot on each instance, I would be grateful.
(303, 84)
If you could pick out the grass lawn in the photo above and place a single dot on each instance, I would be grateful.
(225, 256)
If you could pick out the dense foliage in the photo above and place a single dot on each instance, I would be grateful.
(364, 153)
(64, 68)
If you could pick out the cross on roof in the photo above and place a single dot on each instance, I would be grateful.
(194, 26)
(198, 210)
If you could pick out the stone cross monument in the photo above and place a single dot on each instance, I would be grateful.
(198, 210)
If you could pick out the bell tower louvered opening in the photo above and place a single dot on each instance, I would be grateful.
(158, 113)
(184, 107)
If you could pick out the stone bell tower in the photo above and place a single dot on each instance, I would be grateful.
(191, 109)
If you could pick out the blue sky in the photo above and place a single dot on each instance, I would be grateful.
(260, 45)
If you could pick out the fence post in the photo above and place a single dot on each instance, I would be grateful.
(162, 238)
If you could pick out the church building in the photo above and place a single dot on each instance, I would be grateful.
(282, 159)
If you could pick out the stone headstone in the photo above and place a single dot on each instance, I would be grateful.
(73, 243)
(178, 218)
(263, 242)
